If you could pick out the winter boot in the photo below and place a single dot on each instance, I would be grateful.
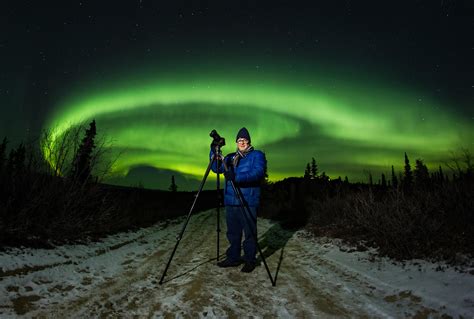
(248, 267)
(228, 263)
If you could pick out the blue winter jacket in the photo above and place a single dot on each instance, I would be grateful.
(249, 175)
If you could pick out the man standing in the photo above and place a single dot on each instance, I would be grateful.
(246, 168)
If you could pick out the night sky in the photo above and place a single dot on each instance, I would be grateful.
(354, 84)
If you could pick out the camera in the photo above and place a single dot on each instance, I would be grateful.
(217, 140)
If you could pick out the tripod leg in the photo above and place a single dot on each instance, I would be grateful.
(218, 211)
(180, 236)
(218, 230)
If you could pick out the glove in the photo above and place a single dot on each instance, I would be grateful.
(229, 175)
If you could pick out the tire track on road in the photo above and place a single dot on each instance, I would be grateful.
(130, 290)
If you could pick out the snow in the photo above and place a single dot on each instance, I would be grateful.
(316, 277)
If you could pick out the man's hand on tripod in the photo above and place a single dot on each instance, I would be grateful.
(229, 175)
(213, 149)
(219, 157)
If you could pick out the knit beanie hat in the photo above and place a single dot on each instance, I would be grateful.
(243, 133)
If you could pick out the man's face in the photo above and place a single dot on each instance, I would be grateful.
(242, 144)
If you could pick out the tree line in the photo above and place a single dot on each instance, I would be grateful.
(55, 197)
(52, 191)
(461, 166)
(412, 214)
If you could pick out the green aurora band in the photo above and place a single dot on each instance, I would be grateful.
(348, 126)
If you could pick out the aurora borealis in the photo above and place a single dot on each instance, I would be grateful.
(354, 112)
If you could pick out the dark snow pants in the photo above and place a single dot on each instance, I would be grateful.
(236, 223)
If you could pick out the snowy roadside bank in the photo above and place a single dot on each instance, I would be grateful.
(315, 277)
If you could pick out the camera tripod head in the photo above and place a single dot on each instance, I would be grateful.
(217, 140)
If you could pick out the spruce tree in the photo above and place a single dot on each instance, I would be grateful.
(407, 177)
(81, 170)
(394, 179)
(346, 180)
(314, 169)
(307, 172)
(441, 174)
(324, 177)
(173, 187)
(384, 181)
(20, 157)
(9, 167)
(16, 160)
(421, 173)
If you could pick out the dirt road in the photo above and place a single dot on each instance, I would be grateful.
(120, 278)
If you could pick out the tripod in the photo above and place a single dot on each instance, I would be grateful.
(245, 210)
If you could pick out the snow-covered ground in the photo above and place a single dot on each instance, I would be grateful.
(315, 277)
